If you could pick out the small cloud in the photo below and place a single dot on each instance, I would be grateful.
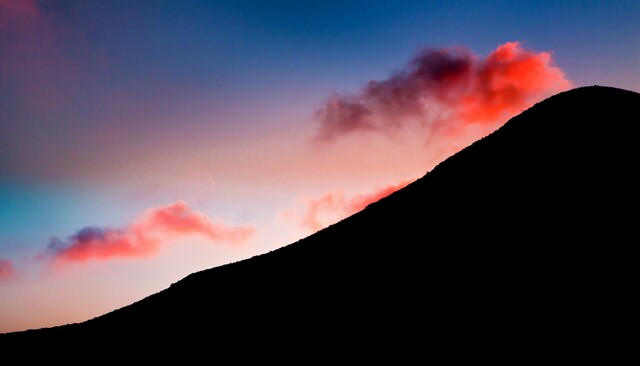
(334, 206)
(144, 237)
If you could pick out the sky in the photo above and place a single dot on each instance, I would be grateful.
(141, 141)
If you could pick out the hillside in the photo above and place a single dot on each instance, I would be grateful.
(521, 232)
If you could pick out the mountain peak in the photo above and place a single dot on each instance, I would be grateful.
(513, 233)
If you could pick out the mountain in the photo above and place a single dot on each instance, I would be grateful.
(520, 242)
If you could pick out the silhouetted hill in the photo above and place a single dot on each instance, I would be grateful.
(520, 242)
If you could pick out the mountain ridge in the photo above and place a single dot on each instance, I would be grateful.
(495, 237)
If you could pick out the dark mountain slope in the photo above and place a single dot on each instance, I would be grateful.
(528, 230)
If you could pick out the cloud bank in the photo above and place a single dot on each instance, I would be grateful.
(145, 236)
(446, 88)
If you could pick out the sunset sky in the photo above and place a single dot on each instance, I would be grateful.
(141, 141)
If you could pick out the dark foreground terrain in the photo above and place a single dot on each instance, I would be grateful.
(521, 242)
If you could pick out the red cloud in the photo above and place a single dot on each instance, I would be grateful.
(446, 88)
(508, 80)
(145, 236)
(6, 269)
(334, 206)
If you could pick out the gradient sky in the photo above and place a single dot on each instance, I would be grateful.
(141, 141)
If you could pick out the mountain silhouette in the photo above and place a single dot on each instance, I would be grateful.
(521, 240)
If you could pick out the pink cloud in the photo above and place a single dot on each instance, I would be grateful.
(144, 237)
(334, 206)
(446, 88)
(6, 269)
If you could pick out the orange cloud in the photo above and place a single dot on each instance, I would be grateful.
(6, 269)
(146, 235)
(335, 205)
(446, 88)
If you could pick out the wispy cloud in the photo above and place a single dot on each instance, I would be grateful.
(446, 88)
(144, 237)
(320, 212)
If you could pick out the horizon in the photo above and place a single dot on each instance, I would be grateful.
(142, 142)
